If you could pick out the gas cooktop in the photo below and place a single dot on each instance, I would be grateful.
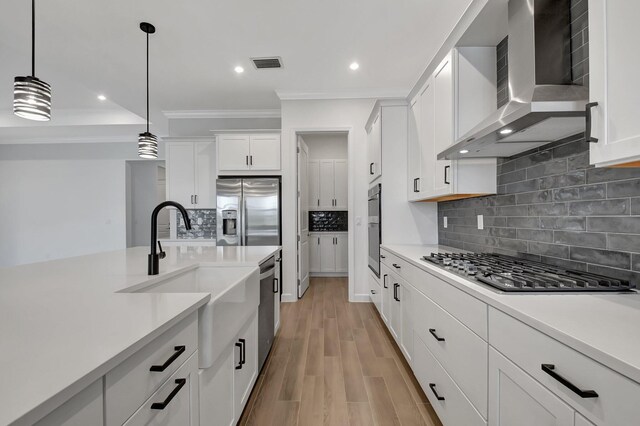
(512, 274)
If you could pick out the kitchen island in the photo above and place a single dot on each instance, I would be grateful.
(66, 323)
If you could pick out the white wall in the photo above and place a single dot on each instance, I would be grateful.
(59, 208)
(143, 197)
(327, 115)
(327, 146)
(61, 200)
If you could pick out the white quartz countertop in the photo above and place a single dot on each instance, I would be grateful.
(603, 326)
(65, 323)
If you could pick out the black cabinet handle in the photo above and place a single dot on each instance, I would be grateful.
(395, 292)
(239, 366)
(395, 265)
(384, 281)
(415, 185)
(247, 159)
(382, 256)
(275, 285)
(433, 389)
(445, 174)
(243, 359)
(162, 405)
(587, 128)
(370, 168)
(373, 292)
(179, 350)
(550, 370)
(433, 333)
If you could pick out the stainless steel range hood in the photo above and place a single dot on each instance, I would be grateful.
(543, 104)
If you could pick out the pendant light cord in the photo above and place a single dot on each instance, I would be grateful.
(33, 38)
(147, 82)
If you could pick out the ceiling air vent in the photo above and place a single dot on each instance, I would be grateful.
(267, 63)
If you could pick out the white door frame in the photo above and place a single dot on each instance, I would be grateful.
(350, 192)
(301, 231)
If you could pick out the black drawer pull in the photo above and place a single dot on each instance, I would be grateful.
(373, 292)
(162, 405)
(243, 360)
(384, 281)
(433, 389)
(587, 130)
(395, 265)
(370, 168)
(275, 285)
(550, 370)
(446, 180)
(433, 333)
(395, 292)
(178, 351)
(382, 256)
(239, 366)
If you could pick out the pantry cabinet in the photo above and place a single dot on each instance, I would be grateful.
(614, 89)
(446, 106)
(191, 173)
(245, 153)
(328, 184)
(328, 252)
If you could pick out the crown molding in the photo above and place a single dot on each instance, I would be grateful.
(357, 94)
(68, 140)
(223, 113)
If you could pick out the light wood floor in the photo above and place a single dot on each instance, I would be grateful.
(334, 363)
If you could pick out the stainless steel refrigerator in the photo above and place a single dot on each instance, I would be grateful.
(248, 212)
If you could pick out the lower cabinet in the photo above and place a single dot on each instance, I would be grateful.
(245, 364)
(328, 252)
(385, 300)
(406, 307)
(518, 399)
(84, 409)
(374, 291)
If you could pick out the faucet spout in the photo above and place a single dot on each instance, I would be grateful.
(154, 257)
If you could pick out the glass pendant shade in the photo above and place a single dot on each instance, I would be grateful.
(32, 98)
(147, 145)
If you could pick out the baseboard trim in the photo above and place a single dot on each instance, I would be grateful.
(360, 298)
(328, 275)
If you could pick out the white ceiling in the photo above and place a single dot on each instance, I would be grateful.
(86, 47)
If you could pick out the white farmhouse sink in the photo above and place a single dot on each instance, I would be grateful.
(235, 295)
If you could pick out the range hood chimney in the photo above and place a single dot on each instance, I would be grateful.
(543, 104)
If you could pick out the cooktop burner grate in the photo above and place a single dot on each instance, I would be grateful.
(513, 274)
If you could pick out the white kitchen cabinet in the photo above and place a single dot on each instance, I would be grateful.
(374, 149)
(253, 152)
(175, 403)
(374, 290)
(313, 169)
(328, 184)
(613, 82)
(245, 364)
(84, 409)
(395, 322)
(406, 307)
(216, 389)
(328, 253)
(276, 296)
(191, 174)
(386, 289)
(439, 114)
(518, 399)
(581, 421)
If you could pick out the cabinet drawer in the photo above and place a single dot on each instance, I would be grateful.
(617, 396)
(175, 403)
(130, 384)
(455, 409)
(394, 263)
(460, 351)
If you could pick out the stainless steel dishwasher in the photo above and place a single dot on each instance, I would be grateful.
(266, 316)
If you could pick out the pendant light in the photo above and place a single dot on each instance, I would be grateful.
(147, 142)
(32, 96)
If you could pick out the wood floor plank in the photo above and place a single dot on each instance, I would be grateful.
(360, 414)
(429, 415)
(262, 409)
(368, 359)
(331, 337)
(286, 413)
(315, 353)
(294, 372)
(384, 412)
(379, 342)
(335, 408)
(353, 379)
(312, 402)
(342, 318)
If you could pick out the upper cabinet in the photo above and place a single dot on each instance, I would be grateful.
(614, 85)
(328, 184)
(247, 153)
(191, 173)
(438, 114)
(374, 149)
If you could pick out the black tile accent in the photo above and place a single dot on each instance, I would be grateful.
(328, 221)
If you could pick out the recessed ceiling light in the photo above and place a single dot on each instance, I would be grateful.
(464, 151)
(506, 131)
(102, 98)
(354, 66)
(239, 69)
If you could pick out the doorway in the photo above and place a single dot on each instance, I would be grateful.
(146, 188)
(323, 200)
